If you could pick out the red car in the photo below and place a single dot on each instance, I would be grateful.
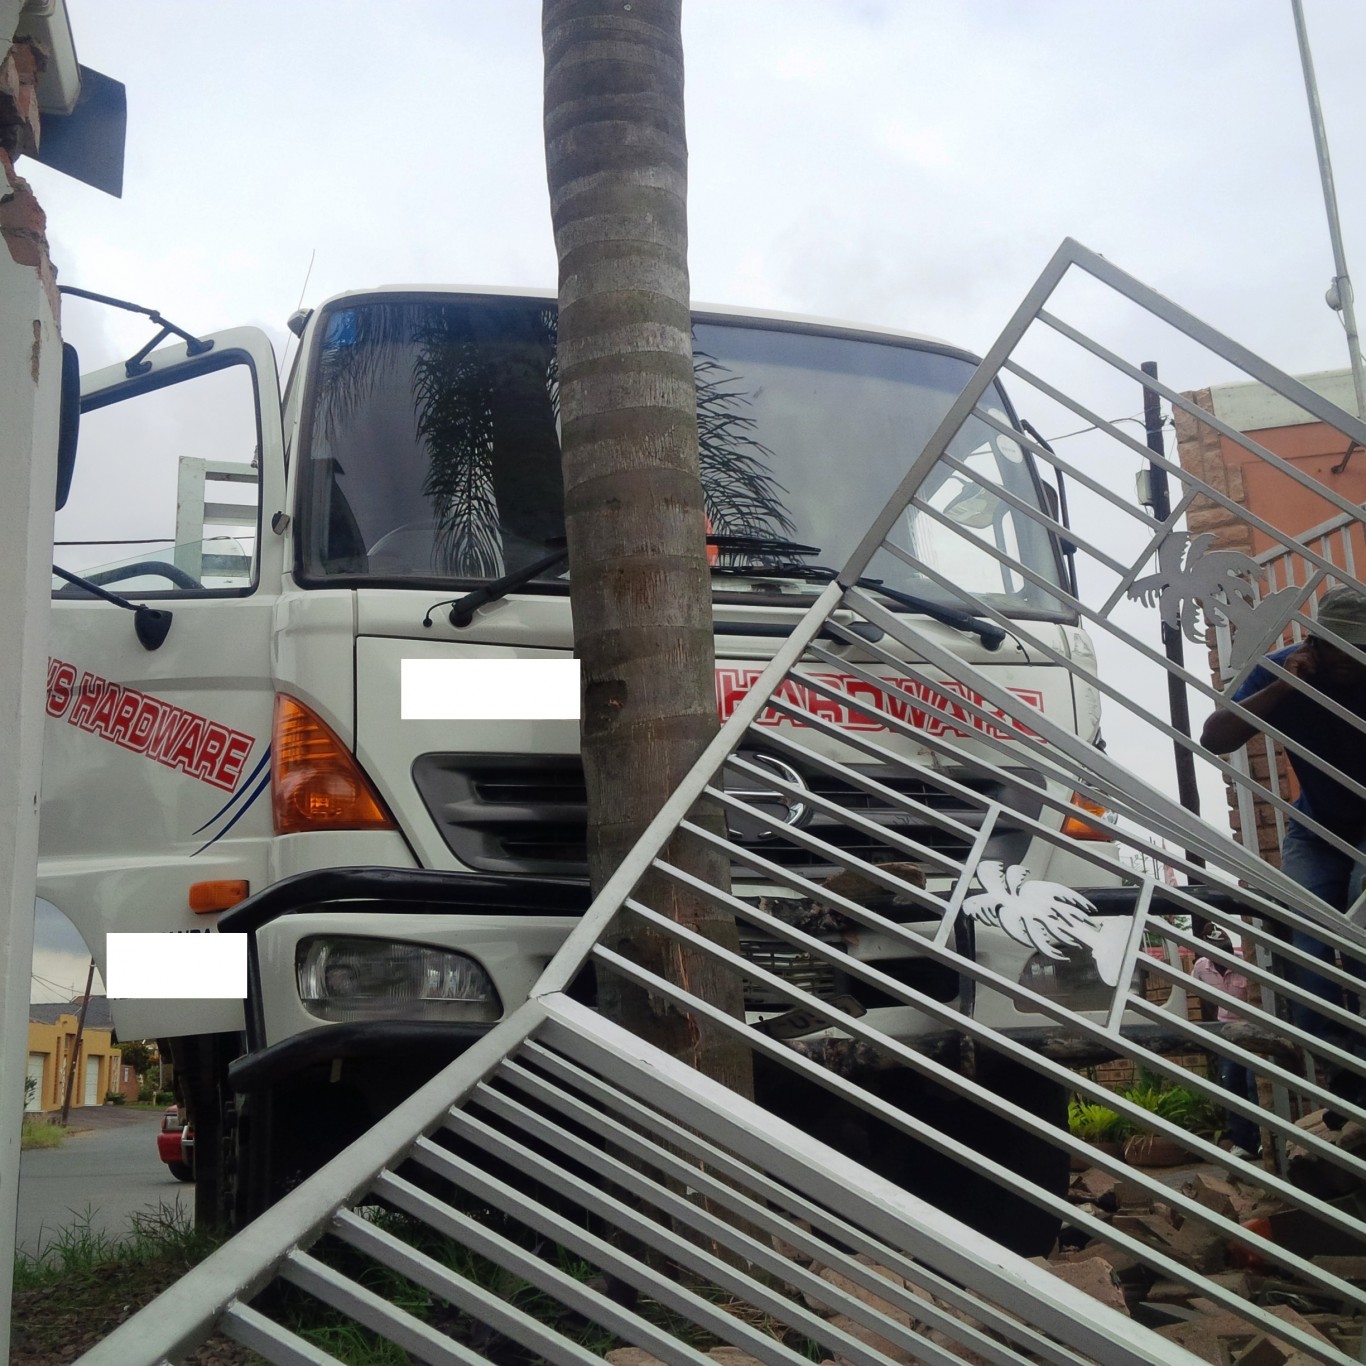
(175, 1145)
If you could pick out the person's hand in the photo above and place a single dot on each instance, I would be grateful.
(1304, 662)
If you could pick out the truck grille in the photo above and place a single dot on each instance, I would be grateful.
(823, 978)
(793, 965)
(519, 813)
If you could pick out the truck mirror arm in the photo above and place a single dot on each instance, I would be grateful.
(138, 364)
(151, 624)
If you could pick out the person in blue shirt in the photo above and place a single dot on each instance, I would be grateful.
(1309, 859)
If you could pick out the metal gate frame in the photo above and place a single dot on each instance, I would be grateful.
(620, 1093)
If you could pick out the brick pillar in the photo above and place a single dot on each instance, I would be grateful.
(20, 128)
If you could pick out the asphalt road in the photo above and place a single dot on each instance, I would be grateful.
(109, 1166)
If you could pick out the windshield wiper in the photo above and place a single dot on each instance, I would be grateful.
(759, 545)
(987, 632)
(463, 609)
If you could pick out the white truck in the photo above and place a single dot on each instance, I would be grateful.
(232, 758)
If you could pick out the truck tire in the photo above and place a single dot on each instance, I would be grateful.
(182, 1171)
(201, 1062)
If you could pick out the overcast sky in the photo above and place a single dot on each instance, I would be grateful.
(897, 162)
(908, 163)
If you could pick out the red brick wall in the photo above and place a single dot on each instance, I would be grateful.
(1225, 466)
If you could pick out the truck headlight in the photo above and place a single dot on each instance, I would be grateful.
(380, 979)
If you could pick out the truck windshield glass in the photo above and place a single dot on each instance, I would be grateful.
(431, 451)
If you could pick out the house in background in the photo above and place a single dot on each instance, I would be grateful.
(99, 1067)
(1310, 447)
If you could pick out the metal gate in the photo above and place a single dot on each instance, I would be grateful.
(908, 974)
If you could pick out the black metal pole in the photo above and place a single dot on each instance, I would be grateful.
(1178, 703)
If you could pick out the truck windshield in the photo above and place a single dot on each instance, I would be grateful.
(431, 451)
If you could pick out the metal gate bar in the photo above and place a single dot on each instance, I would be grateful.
(1023, 1120)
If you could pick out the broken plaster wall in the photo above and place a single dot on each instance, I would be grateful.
(30, 392)
(23, 224)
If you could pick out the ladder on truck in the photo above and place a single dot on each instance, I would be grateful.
(648, 1207)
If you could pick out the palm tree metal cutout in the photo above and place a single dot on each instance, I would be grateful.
(1046, 916)
(1192, 576)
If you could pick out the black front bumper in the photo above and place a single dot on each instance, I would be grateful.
(413, 1049)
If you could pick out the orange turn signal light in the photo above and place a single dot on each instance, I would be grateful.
(315, 781)
(1083, 827)
(206, 897)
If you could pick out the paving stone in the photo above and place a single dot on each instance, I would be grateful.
(1265, 1351)
(875, 1340)
(1130, 1196)
(1347, 1268)
(1198, 1247)
(631, 1356)
(1214, 1194)
(1196, 1340)
(842, 1282)
(1094, 1277)
(1298, 1320)
(1239, 1282)
(1150, 1228)
(1123, 1263)
(733, 1356)
(1172, 1292)
(1098, 1185)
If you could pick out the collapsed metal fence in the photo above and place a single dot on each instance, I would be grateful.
(932, 962)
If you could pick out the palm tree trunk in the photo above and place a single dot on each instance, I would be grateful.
(616, 161)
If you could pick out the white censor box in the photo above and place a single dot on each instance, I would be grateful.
(489, 690)
(178, 967)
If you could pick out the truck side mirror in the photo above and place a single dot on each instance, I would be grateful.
(69, 423)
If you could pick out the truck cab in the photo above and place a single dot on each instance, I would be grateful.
(403, 882)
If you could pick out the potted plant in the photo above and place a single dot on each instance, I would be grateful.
(1098, 1125)
(1175, 1104)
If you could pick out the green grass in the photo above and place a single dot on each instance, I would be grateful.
(79, 1249)
(83, 1281)
(41, 1134)
(325, 1328)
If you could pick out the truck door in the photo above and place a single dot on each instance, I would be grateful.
(156, 760)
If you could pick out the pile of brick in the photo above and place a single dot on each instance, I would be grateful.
(1180, 1311)
(906, 1315)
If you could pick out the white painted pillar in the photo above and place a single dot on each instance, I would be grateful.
(30, 390)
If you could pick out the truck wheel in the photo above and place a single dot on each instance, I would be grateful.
(182, 1171)
(202, 1064)
(255, 1190)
